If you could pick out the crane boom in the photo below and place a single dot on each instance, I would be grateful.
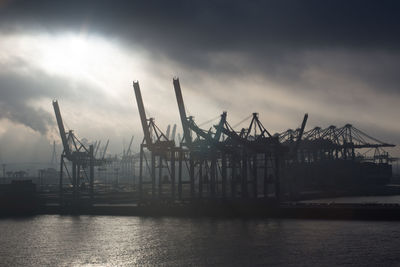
(211, 141)
(105, 150)
(97, 148)
(182, 112)
(173, 133)
(142, 113)
(128, 151)
(168, 130)
(219, 127)
(61, 128)
(303, 126)
(235, 137)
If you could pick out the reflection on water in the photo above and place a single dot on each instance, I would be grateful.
(108, 240)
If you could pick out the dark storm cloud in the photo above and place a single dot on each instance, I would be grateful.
(222, 25)
(19, 92)
(15, 93)
(271, 36)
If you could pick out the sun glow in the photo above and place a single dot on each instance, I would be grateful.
(78, 58)
(70, 55)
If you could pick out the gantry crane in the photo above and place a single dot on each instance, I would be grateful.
(80, 157)
(163, 152)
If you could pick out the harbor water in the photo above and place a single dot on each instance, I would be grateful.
(55, 240)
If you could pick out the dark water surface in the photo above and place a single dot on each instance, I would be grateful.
(112, 240)
(395, 199)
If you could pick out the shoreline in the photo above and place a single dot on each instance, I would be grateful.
(218, 209)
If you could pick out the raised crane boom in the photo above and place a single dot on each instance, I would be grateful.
(219, 127)
(182, 112)
(303, 126)
(142, 113)
(97, 148)
(168, 130)
(173, 133)
(61, 128)
(105, 150)
(128, 151)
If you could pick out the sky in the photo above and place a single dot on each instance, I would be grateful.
(338, 61)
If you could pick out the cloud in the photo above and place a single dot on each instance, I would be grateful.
(16, 92)
(201, 26)
(26, 93)
(273, 38)
(18, 143)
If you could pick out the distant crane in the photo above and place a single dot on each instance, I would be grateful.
(54, 155)
(97, 145)
(168, 130)
(80, 157)
(128, 151)
(173, 133)
(105, 150)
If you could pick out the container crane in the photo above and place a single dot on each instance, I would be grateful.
(80, 157)
(160, 148)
